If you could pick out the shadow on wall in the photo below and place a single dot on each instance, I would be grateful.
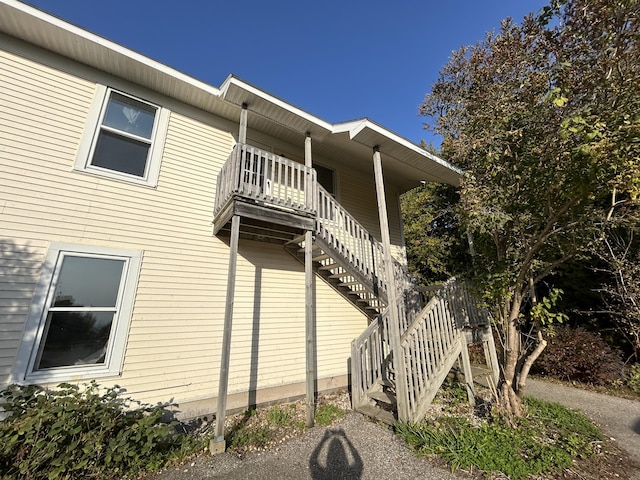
(271, 257)
(20, 268)
(335, 457)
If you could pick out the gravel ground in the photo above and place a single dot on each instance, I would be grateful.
(354, 448)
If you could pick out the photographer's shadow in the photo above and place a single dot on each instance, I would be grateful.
(335, 457)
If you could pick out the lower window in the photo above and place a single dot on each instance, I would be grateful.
(79, 320)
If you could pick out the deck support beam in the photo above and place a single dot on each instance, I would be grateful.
(310, 310)
(392, 294)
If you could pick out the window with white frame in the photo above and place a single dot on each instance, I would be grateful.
(125, 137)
(80, 315)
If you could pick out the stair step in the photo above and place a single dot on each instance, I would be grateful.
(384, 397)
(297, 240)
(349, 284)
(324, 256)
(340, 275)
(330, 266)
(377, 412)
(303, 249)
(358, 292)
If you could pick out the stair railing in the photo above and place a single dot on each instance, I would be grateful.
(370, 359)
(431, 345)
(346, 237)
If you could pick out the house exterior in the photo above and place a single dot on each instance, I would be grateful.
(120, 182)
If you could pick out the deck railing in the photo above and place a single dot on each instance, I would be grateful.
(267, 178)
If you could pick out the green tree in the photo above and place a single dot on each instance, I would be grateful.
(436, 246)
(543, 117)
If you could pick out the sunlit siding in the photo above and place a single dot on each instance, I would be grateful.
(42, 115)
(358, 196)
(174, 341)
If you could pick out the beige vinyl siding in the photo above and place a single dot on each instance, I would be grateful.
(174, 341)
(358, 196)
(29, 128)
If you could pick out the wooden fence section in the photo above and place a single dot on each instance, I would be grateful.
(268, 178)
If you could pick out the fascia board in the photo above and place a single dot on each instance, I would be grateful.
(355, 127)
(232, 80)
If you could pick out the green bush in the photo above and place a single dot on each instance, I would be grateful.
(546, 440)
(73, 432)
(577, 354)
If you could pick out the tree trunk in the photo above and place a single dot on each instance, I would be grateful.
(533, 356)
(508, 396)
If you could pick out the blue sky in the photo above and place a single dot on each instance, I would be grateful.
(337, 59)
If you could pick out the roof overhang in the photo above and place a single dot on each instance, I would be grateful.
(404, 163)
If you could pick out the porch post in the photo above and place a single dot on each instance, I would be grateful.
(242, 132)
(217, 444)
(392, 293)
(309, 295)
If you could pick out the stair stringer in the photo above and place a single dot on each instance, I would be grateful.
(361, 290)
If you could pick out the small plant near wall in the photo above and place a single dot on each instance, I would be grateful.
(83, 432)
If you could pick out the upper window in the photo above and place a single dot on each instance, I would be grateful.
(80, 316)
(126, 138)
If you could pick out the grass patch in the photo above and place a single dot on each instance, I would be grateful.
(281, 415)
(257, 430)
(327, 413)
(544, 441)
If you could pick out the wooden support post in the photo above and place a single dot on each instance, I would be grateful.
(217, 444)
(394, 327)
(309, 302)
(466, 369)
(242, 132)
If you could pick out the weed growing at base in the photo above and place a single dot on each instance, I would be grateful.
(547, 439)
(259, 429)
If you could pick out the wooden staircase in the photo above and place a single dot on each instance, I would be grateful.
(279, 201)
(433, 338)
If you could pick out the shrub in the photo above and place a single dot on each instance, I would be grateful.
(577, 354)
(74, 432)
